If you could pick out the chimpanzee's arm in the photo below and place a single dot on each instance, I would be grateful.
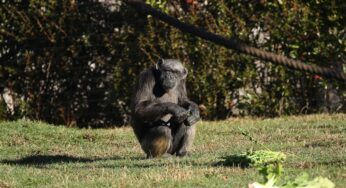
(147, 109)
(192, 107)
(193, 110)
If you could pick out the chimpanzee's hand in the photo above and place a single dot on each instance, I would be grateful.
(194, 116)
(179, 114)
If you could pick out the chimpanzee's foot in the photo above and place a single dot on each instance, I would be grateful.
(183, 154)
(167, 156)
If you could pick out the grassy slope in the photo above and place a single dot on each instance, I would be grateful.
(39, 155)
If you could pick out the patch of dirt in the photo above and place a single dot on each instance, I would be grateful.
(4, 185)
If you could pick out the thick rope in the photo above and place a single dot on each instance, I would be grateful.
(234, 44)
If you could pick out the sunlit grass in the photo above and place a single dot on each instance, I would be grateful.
(35, 154)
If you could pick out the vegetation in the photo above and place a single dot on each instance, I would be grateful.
(74, 62)
(35, 154)
(268, 163)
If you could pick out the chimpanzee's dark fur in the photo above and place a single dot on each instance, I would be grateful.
(163, 118)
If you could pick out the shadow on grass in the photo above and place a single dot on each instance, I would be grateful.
(234, 161)
(41, 160)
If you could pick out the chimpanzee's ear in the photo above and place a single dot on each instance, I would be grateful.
(159, 63)
(185, 73)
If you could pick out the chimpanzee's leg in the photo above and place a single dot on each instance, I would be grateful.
(183, 137)
(157, 141)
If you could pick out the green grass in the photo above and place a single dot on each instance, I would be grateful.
(34, 154)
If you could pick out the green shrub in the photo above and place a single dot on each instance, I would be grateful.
(75, 62)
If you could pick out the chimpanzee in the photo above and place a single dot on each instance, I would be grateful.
(163, 118)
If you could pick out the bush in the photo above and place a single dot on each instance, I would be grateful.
(74, 62)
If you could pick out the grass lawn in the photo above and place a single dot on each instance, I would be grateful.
(34, 154)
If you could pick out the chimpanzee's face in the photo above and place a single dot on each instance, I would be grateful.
(171, 72)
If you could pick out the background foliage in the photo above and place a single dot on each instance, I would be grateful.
(75, 62)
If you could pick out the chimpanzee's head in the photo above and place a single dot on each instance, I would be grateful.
(171, 72)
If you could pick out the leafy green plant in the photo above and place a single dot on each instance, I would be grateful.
(302, 181)
(270, 165)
